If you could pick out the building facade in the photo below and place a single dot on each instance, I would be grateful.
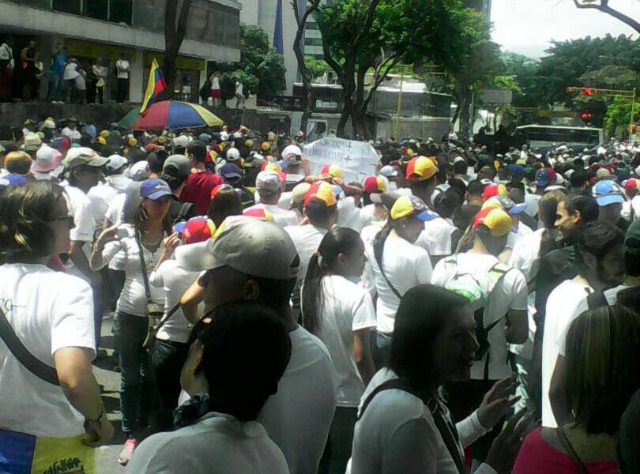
(107, 28)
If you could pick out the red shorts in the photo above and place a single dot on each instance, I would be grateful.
(216, 94)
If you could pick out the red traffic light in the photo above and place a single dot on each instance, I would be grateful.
(586, 115)
(587, 91)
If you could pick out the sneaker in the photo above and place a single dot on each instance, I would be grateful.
(127, 450)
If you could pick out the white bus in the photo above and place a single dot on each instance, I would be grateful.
(545, 136)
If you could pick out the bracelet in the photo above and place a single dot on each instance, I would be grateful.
(97, 420)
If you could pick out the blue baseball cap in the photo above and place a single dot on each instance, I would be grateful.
(154, 189)
(231, 171)
(607, 192)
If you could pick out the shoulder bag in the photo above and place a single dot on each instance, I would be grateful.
(154, 311)
(27, 359)
(566, 444)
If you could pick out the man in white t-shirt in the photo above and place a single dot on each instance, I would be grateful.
(436, 237)
(269, 188)
(600, 265)
(396, 265)
(123, 68)
(256, 260)
(320, 209)
(504, 317)
(241, 355)
(85, 171)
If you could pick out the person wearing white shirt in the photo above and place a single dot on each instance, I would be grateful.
(51, 313)
(69, 77)
(171, 345)
(256, 260)
(269, 188)
(404, 424)
(397, 265)
(342, 315)
(436, 236)
(143, 241)
(241, 353)
(504, 312)
(122, 67)
(600, 265)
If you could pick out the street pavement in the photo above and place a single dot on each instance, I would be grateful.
(109, 380)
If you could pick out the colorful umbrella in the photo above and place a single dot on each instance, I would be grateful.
(128, 120)
(173, 114)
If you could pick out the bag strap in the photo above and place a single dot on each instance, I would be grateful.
(566, 444)
(143, 265)
(27, 359)
(447, 430)
(151, 336)
(378, 248)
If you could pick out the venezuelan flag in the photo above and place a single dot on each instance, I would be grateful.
(155, 86)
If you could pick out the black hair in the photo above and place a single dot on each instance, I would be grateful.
(135, 155)
(338, 240)
(421, 315)
(246, 350)
(458, 186)
(155, 165)
(319, 214)
(447, 204)
(199, 151)
(225, 203)
(172, 177)
(578, 178)
(276, 293)
(460, 167)
(596, 239)
(25, 212)
(420, 187)
(585, 204)
(632, 259)
(475, 188)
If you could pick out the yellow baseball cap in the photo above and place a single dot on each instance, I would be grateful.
(407, 206)
(421, 168)
(496, 220)
(322, 192)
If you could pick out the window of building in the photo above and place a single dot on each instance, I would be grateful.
(120, 11)
(68, 6)
(97, 10)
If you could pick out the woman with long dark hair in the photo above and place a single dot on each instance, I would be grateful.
(404, 424)
(341, 314)
(147, 233)
(51, 314)
(603, 351)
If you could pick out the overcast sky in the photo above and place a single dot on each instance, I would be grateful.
(528, 26)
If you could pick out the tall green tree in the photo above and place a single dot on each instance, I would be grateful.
(363, 40)
(261, 69)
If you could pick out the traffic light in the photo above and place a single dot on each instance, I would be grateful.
(585, 115)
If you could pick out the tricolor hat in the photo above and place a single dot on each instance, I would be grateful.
(195, 230)
(506, 204)
(421, 168)
(333, 170)
(545, 177)
(259, 213)
(496, 220)
(322, 193)
(374, 186)
(299, 192)
(491, 190)
(411, 206)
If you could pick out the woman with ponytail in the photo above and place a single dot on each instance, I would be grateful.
(341, 314)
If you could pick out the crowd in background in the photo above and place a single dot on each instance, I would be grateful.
(420, 319)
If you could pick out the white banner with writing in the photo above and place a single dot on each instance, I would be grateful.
(357, 159)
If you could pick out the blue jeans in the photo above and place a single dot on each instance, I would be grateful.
(137, 388)
(55, 88)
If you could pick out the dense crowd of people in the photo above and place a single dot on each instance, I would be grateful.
(272, 319)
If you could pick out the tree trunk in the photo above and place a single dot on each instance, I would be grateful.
(170, 75)
(308, 110)
(175, 26)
